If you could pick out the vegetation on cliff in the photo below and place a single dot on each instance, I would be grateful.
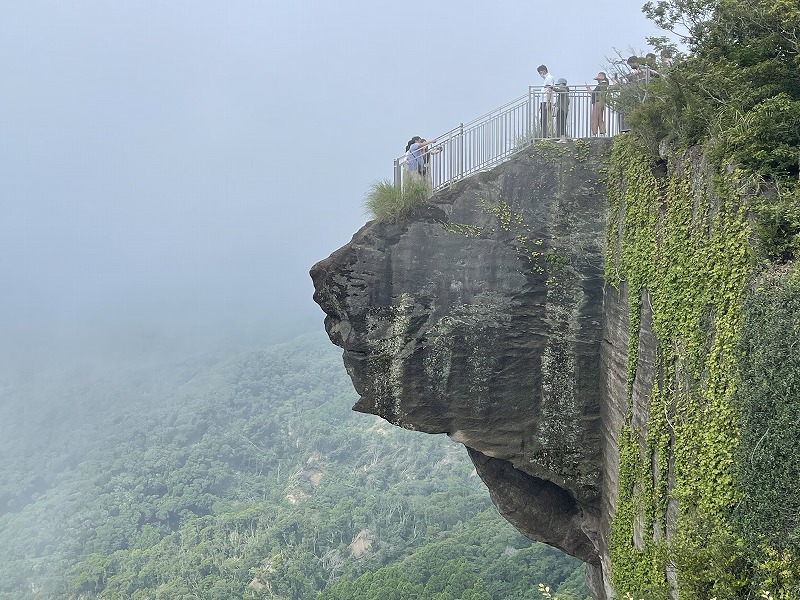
(737, 92)
(683, 253)
(707, 491)
(767, 400)
(388, 203)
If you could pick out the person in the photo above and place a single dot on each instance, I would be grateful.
(545, 106)
(650, 65)
(415, 154)
(562, 106)
(426, 154)
(599, 92)
(666, 58)
(637, 73)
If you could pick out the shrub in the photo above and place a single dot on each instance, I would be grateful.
(766, 138)
(387, 203)
(769, 464)
(778, 225)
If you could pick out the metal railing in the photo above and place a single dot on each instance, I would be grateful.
(494, 137)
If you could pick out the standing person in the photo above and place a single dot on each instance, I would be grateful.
(416, 155)
(598, 120)
(562, 106)
(545, 107)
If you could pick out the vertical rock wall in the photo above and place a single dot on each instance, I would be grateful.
(481, 316)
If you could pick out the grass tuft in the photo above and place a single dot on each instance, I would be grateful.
(389, 204)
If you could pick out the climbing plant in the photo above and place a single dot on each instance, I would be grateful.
(704, 487)
(679, 242)
(531, 248)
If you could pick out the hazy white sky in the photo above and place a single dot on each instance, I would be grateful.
(165, 161)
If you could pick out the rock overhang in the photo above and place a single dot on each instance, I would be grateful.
(481, 316)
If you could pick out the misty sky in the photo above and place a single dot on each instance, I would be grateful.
(187, 162)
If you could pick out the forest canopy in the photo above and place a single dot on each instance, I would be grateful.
(244, 477)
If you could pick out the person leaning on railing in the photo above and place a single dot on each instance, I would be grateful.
(641, 69)
(416, 155)
(598, 120)
(426, 154)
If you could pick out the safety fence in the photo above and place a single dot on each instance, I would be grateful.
(495, 137)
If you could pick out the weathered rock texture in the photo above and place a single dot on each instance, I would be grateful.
(482, 316)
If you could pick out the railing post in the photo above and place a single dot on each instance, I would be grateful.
(529, 114)
(461, 151)
(398, 174)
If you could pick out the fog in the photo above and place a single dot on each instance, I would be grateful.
(169, 171)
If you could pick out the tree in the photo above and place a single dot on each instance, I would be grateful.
(741, 54)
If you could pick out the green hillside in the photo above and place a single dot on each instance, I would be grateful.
(248, 477)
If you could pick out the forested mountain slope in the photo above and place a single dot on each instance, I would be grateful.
(248, 478)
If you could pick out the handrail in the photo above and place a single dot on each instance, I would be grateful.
(497, 135)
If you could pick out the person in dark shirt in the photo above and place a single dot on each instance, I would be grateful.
(598, 120)
(561, 91)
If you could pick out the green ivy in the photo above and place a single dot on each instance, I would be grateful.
(465, 229)
(680, 244)
(528, 247)
(554, 152)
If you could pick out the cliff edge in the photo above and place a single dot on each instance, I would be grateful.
(481, 316)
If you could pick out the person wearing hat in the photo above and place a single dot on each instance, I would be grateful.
(562, 106)
(598, 121)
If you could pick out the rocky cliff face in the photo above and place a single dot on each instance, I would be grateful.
(482, 316)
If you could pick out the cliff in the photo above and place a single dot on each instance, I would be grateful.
(593, 386)
(482, 317)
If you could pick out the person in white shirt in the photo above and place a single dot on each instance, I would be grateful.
(545, 106)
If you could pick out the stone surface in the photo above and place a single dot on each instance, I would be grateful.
(482, 316)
